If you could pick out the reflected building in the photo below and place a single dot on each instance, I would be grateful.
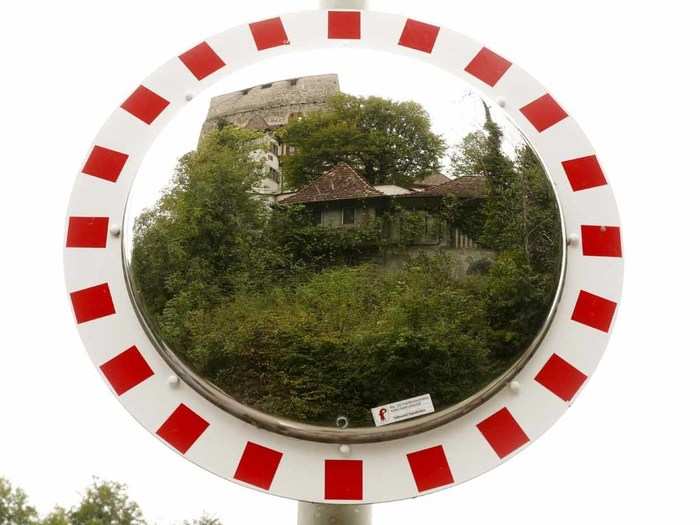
(341, 198)
(267, 107)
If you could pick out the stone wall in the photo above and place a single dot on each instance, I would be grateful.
(274, 102)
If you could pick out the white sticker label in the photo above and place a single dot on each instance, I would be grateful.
(402, 410)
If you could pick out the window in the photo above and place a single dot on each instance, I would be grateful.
(348, 216)
(293, 82)
(431, 234)
(266, 86)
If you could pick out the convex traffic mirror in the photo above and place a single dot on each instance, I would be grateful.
(352, 256)
(343, 256)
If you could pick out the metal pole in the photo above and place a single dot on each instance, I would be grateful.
(323, 514)
(343, 4)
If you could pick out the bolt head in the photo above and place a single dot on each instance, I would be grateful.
(514, 386)
(115, 230)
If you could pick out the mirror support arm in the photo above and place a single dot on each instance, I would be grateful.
(343, 4)
(324, 514)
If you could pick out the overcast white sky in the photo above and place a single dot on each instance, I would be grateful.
(627, 451)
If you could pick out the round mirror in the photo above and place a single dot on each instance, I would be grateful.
(374, 247)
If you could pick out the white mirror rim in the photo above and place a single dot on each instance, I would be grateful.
(406, 466)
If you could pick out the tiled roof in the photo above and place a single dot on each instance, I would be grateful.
(433, 180)
(391, 189)
(464, 187)
(340, 183)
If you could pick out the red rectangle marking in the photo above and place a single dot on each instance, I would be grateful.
(584, 173)
(202, 60)
(503, 433)
(418, 35)
(544, 113)
(561, 378)
(126, 370)
(269, 33)
(145, 105)
(182, 428)
(105, 163)
(430, 468)
(594, 311)
(344, 25)
(92, 303)
(488, 67)
(343, 479)
(87, 232)
(601, 241)
(258, 465)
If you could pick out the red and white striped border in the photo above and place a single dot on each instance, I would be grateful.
(366, 473)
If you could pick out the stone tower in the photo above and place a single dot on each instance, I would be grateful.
(269, 106)
(265, 108)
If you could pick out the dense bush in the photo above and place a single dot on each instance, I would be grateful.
(350, 338)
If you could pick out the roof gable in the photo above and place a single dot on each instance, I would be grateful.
(433, 180)
(465, 187)
(339, 183)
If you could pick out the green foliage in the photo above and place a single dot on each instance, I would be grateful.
(204, 520)
(188, 249)
(310, 322)
(349, 338)
(468, 158)
(302, 246)
(14, 506)
(104, 503)
(58, 516)
(387, 142)
(519, 219)
(466, 214)
(521, 212)
(538, 214)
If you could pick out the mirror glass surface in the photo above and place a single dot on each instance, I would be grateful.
(330, 233)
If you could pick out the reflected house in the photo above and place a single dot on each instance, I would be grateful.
(341, 198)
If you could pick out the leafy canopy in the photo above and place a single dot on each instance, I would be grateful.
(189, 249)
(387, 142)
(14, 506)
(103, 503)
